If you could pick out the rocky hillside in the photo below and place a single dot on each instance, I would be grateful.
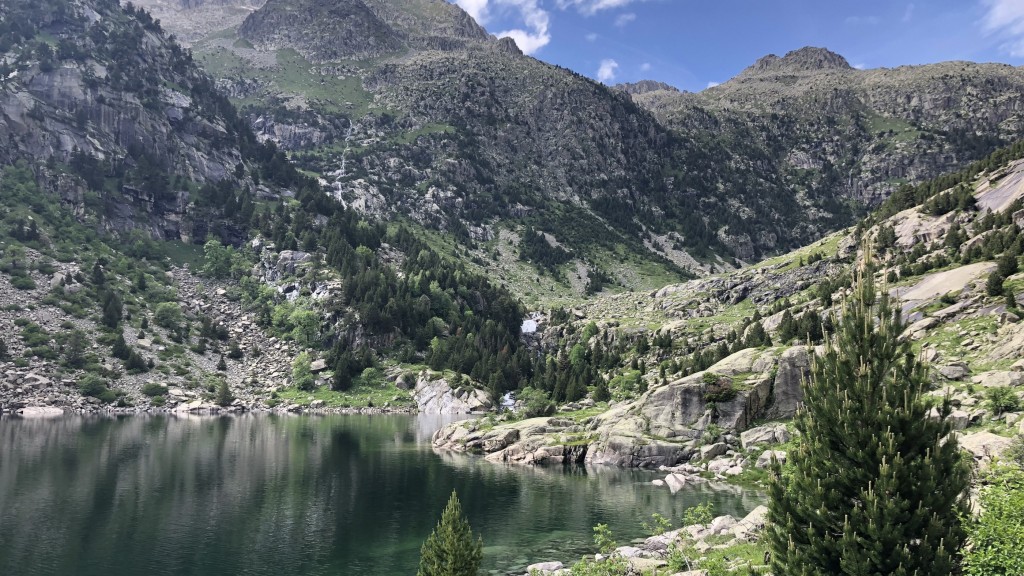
(104, 92)
(835, 134)
(461, 133)
(704, 365)
(128, 177)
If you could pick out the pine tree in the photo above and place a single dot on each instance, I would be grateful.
(994, 285)
(3, 349)
(120, 348)
(450, 550)
(224, 397)
(875, 485)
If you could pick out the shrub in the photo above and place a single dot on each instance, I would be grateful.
(91, 385)
(302, 377)
(23, 283)
(535, 403)
(717, 388)
(1001, 399)
(107, 396)
(158, 401)
(152, 389)
(168, 315)
(996, 536)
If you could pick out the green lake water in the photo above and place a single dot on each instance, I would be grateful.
(292, 495)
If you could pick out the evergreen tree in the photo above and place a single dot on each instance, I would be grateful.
(120, 348)
(224, 397)
(450, 550)
(135, 363)
(3, 349)
(875, 485)
(994, 285)
(113, 309)
(1007, 265)
(787, 327)
(221, 364)
(74, 352)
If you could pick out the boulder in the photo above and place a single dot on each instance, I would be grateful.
(765, 459)
(953, 371)
(36, 380)
(675, 482)
(289, 260)
(794, 365)
(998, 379)
(713, 450)
(751, 525)
(544, 567)
(720, 466)
(767, 434)
(318, 366)
(959, 419)
(985, 445)
(39, 412)
(721, 524)
(434, 395)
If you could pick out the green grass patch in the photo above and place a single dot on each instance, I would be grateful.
(360, 396)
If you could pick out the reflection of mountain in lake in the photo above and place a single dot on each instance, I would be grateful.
(287, 495)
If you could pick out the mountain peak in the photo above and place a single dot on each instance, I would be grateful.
(644, 86)
(806, 59)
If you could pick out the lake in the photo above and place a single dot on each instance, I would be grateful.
(287, 495)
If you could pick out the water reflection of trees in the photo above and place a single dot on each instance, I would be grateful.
(277, 494)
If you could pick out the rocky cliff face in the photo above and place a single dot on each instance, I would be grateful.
(320, 31)
(663, 427)
(833, 134)
(457, 131)
(116, 99)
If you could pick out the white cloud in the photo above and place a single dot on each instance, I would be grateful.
(591, 7)
(591, 37)
(859, 66)
(537, 20)
(623, 19)
(713, 84)
(908, 14)
(475, 8)
(645, 67)
(606, 72)
(1005, 19)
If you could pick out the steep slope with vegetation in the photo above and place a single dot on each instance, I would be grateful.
(693, 368)
(838, 137)
(99, 303)
(460, 132)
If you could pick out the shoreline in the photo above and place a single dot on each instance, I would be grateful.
(31, 412)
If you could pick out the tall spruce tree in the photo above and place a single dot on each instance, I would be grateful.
(875, 487)
(451, 550)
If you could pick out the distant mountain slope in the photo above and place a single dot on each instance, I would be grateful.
(831, 130)
(460, 132)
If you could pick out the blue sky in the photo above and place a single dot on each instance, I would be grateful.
(693, 43)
